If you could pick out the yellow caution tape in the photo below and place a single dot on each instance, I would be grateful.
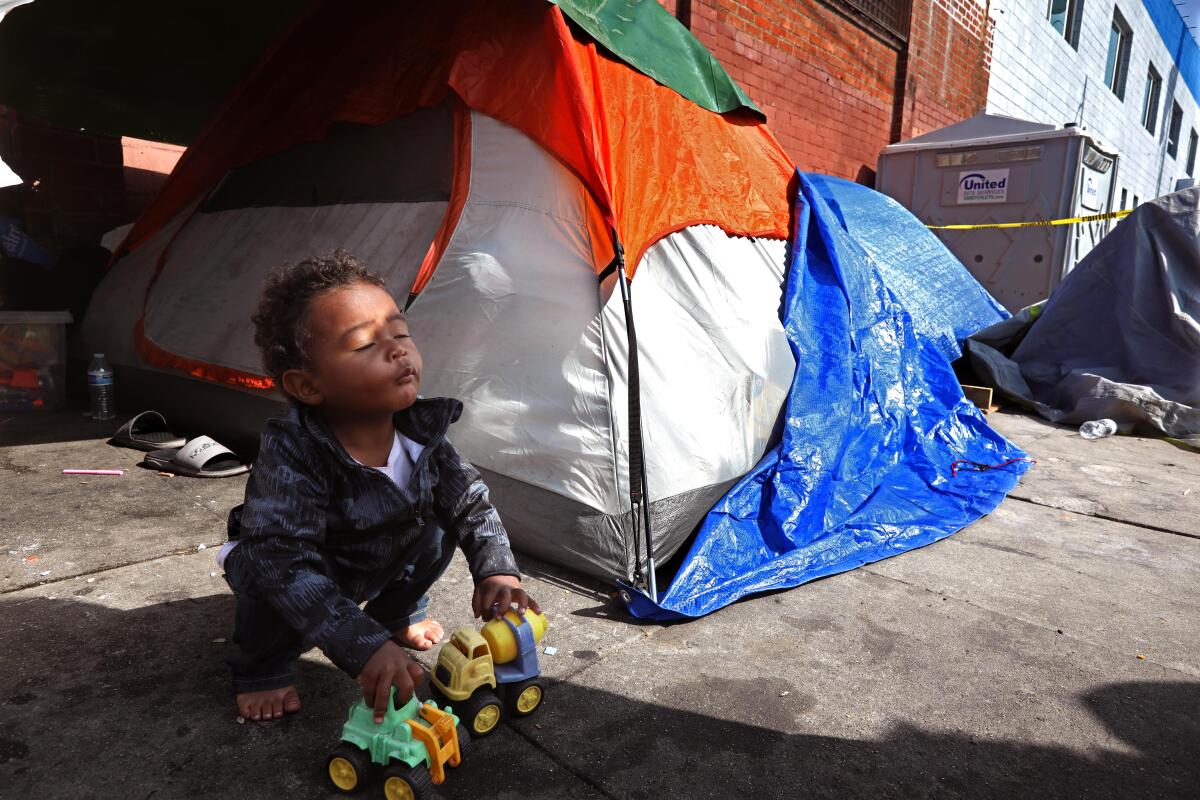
(1040, 223)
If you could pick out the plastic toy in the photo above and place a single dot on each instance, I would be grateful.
(413, 744)
(486, 674)
(24, 388)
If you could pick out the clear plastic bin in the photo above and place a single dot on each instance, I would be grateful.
(33, 360)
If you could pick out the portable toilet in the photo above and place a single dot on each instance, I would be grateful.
(991, 169)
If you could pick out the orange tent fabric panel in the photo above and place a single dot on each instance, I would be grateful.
(674, 164)
(460, 188)
(654, 161)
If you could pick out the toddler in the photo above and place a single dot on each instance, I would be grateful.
(356, 496)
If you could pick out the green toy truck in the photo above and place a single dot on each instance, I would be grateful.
(413, 744)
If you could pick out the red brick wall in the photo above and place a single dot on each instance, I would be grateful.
(828, 87)
(836, 94)
(82, 184)
(949, 58)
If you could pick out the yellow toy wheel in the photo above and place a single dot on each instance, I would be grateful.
(398, 789)
(343, 774)
(481, 712)
(525, 697)
(348, 767)
(402, 782)
(486, 719)
(529, 699)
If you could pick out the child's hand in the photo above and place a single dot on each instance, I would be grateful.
(390, 666)
(495, 595)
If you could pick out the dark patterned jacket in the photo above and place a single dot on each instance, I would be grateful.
(320, 532)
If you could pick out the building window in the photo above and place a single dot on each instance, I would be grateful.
(1136, 202)
(1150, 101)
(1064, 18)
(1174, 129)
(1191, 164)
(1116, 67)
(889, 15)
(1124, 197)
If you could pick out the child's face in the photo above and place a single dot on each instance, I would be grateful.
(363, 360)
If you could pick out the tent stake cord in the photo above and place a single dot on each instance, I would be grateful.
(638, 496)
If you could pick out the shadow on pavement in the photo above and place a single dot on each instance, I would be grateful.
(18, 429)
(649, 751)
(100, 702)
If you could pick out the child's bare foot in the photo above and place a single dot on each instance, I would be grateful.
(268, 705)
(422, 635)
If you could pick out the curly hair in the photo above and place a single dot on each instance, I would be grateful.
(281, 328)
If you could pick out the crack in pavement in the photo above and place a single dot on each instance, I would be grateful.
(1032, 623)
(191, 550)
(579, 774)
(1108, 518)
(964, 542)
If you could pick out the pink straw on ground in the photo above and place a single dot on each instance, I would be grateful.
(93, 472)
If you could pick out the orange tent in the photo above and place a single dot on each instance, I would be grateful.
(486, 158)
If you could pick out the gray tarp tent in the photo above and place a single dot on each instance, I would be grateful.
(1120, 338)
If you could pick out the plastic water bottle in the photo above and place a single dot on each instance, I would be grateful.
(1097, 428)
(101, 388)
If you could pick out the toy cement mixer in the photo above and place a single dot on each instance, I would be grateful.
(486, 674)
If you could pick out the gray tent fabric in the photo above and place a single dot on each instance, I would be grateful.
(1120, 337)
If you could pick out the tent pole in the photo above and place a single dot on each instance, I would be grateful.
(638, 495)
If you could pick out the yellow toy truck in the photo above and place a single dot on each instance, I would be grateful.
(486, 674)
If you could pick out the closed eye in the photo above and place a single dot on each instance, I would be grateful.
(401, 336)
(366, 346)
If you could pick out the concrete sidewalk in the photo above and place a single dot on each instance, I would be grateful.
(1050, 650)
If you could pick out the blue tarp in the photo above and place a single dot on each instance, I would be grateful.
(874, 308)
(945, 302)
